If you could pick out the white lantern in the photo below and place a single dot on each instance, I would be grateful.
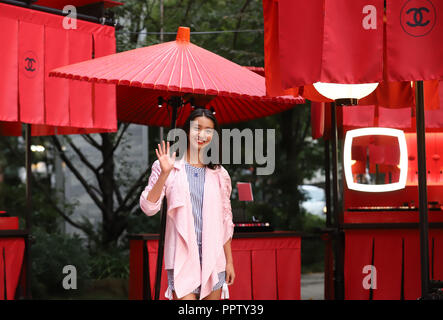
(345, 93)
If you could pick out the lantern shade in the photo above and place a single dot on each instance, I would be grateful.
(337, 91)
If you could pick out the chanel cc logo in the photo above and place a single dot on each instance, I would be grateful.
(29, 65)
(418, 17)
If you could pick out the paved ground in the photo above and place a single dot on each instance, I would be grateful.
(312, 286)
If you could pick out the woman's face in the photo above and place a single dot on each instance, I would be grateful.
(201, 132)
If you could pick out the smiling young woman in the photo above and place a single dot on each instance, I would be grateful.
(199, 226)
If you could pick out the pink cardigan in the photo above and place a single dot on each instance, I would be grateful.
(181, 250)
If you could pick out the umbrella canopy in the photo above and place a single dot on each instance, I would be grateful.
(138, 105)
(178, 68)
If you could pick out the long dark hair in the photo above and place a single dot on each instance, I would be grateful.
(202, 112)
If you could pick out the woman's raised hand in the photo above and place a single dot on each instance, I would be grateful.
(166, 161)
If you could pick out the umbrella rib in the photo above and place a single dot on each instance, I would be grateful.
(181, 71)
(123, 66)
(198, 71)
(172, 71)
(158, 65)
(190, 73)
(246, 110)
(118, 66)
(210, 77)
(158, 60)
(154, 58)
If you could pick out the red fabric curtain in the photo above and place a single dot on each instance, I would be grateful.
(394, 118)
(317, 119)
(11, 260)
(272, 59)
(36, 43)
(414, 47)
(8, 67)
(331, 41)
(361, 116)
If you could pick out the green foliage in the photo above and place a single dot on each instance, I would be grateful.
(50, 254)
(244, 48)
(113, 263)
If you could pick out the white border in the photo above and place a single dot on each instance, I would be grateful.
(347, 158)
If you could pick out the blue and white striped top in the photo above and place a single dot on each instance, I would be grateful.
(196, 180)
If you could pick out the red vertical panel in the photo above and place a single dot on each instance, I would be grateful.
(80, 92)
(56, 89)
(264, 277)
(8, 128)
(358, 254)
(437, 235)
(352, 50)
(14, 251)
(242, 287)
(394, 118)
(31, 72)
(8, 67)
(301, 38)
(363, 116)
(317, 119)
(105, 103)
(152, 251)
(288, 274)
(9, 223)
(2, 271)
(392, 95)
(388, 261)
(42, 130)
(135, 269)
(272, 55)
(412, 280)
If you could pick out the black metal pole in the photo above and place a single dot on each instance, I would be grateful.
(339, 245)
(422, 189)
(327, 163)
(176, 102)
(28, 219)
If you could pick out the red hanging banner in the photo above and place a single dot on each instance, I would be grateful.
(31, 72)
(337, 41)
(8, 67)
(414, 40)
(352, 41)
(36, 42)
(56, 89)
(300, 38)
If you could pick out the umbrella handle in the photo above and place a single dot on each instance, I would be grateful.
(161, 245)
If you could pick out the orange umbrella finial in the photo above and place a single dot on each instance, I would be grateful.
(183, 34)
